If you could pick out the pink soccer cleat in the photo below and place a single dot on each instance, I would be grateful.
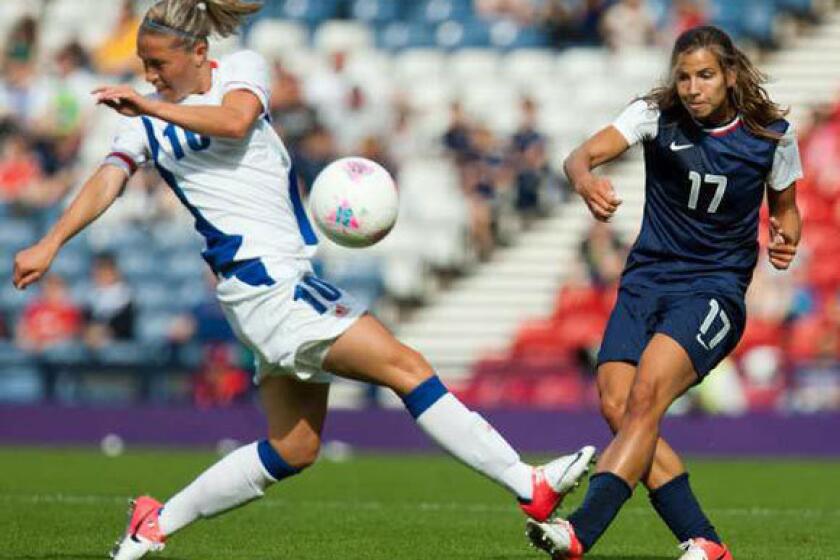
(553, 481)
(702, 549)
(556, 537)
(143, 534)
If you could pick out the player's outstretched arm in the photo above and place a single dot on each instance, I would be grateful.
(785, 226)
(232, 119)
(597, 192)
(96, 196)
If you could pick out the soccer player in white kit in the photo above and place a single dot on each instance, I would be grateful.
(207, 132)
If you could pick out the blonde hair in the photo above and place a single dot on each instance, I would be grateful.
(196, 20)
(748, 95)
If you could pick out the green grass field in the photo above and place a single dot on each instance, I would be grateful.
(63, 504)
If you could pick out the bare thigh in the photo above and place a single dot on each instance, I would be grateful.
(367, 351)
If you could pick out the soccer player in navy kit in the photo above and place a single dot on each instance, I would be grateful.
(714, 144)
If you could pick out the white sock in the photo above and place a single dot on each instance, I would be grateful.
(469, 437)
(238, 478)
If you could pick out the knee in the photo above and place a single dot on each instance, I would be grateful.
(410, 366)
(613, 409)
(299, 450)
(642, 404)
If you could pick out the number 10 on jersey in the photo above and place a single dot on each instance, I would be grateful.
(697, 181)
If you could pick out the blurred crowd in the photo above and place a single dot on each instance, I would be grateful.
(109, 304)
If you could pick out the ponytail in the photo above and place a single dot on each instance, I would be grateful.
(196, 20)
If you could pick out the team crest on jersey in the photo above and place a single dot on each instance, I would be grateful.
(343, 216)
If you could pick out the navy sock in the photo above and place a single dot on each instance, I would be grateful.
(678, 507)
(605, 496)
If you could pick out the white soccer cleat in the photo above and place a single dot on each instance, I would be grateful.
(557, 538)
(554, 481)
(702, 549)
(143, 534)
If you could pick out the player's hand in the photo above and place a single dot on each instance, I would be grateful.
(600, 197)
(123, 99)
(31, 264)
(781, 249)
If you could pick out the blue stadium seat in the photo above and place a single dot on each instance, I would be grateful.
(454, 34)
(153, 326)
(376, 11)
(72, 263)
(508, 35)
(155, 296)
(21, 384)
(140, 266)
(11, 355)
(125, 354)
(310, 12)
(801, 8)
(437, 11)
(69, 353)
(17, 233)
(13, 300)
(401, 35)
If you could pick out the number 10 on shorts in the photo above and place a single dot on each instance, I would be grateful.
(317, 293)
(714, 312)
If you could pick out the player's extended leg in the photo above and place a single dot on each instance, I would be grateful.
(369, 352)
(665, 372)
(667, 480)
(295, 413)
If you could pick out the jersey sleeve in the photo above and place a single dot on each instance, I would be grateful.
(129, 149)
(638, 122)
(249, 71)
(787, 166)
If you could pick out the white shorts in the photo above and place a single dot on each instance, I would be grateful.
(290, 325)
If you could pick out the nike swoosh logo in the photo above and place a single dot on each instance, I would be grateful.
(679, 148)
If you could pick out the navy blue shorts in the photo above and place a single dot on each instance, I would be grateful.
(707, 325)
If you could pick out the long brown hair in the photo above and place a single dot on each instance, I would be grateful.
(747, 96)
(196, 20)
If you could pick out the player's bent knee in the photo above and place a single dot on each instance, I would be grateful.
(613, 410)
(300, 451)
(642, 403)
(410, 366)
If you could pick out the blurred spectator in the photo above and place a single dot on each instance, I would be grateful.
(522, 11)
(65, 108)
(485, 175)
(18, 73)
(628, 24)
(821, 152)
(24, 188)
(206, 322)
(316, 150)
(19, 165)
(292, 116)
(683, 15)
(22, 40)
(372, 148)
(357, 119)
(537, 185)
(50, 319)
(328, 89)
(604, 254)
(219, 382)
(574, 23)
(456, 139)
(110, 309)
(116, 56)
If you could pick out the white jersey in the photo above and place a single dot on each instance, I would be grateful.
(242, 193)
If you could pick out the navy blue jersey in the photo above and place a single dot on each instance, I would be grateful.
(704, 189)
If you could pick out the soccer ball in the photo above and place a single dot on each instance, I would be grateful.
(354, 202)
